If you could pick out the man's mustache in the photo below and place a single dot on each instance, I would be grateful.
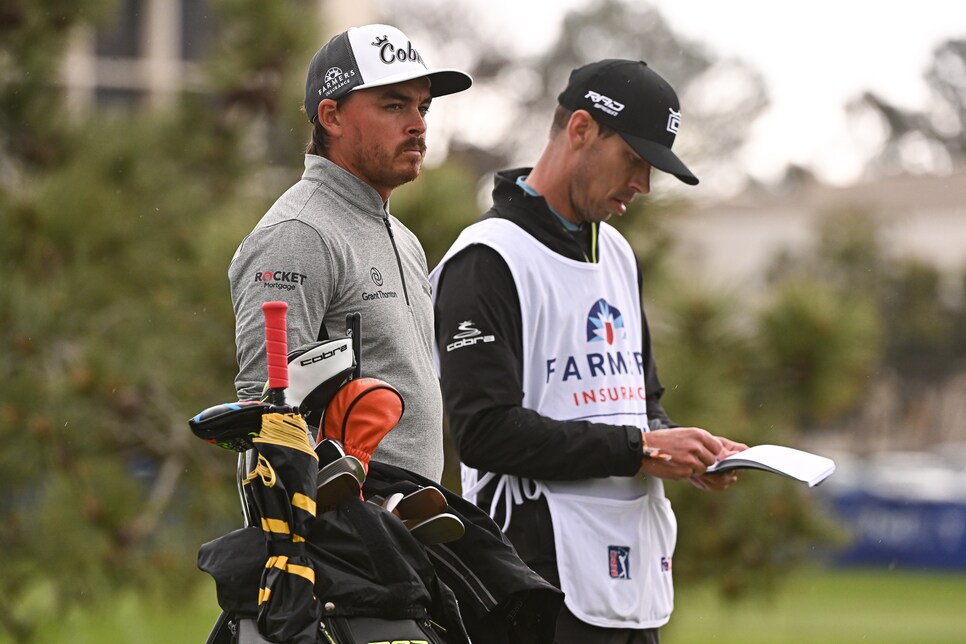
(415, 143)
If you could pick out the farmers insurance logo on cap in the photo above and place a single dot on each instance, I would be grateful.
(372, 56)
(631, 98)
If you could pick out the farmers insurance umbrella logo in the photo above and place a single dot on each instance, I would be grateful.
(604, 323)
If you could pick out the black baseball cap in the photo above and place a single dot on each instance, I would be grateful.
(372, 56)
(632, 99)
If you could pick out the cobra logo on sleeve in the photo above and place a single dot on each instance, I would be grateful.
(467, 336)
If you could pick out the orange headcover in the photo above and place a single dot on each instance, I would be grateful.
(360, 414)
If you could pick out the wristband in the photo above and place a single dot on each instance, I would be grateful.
(653, 452)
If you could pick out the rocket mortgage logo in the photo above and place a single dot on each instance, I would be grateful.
(281, 280)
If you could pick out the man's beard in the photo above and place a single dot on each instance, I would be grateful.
(386, 170)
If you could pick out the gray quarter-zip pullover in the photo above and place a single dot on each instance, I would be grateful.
(329, 247)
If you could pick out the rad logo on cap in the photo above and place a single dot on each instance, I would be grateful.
(605, 103)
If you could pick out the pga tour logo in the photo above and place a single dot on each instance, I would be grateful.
(618, 560)
(605, 103)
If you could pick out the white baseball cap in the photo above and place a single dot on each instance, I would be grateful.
(372, 56)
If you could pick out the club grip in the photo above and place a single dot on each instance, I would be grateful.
(276, 344)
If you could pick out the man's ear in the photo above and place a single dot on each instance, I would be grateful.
(329, 116)
(581, 128)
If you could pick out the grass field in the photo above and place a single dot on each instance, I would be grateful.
(877, 606)
(815, 607)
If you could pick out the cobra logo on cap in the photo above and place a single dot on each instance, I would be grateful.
(388, 53)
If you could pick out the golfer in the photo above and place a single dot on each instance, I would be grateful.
(330, 246)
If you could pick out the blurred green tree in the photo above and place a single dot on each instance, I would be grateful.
(116, 325)
(820, 346)
(437, 206)
(723, 371)
(913, 316)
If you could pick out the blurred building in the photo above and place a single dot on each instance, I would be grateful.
(732, 246)
(150, 50)
(733, 243)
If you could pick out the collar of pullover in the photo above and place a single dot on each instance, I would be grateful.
(342, 182)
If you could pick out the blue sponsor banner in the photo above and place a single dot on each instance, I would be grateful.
(899, 531)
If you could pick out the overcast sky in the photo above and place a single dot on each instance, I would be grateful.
(815, 55)
(814, 64)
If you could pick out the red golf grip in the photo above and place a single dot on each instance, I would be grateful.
(276, 344)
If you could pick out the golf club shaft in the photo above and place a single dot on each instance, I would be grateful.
(353, 323)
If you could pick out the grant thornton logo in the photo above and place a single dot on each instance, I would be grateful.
(604, 323)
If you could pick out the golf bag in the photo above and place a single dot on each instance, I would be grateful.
(501, 600)
(340, 550)
(374, 582)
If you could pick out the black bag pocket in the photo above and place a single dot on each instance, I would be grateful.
(236, 561)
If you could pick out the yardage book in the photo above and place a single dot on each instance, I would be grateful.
(787, 461)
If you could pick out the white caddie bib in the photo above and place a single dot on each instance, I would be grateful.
(583, 360)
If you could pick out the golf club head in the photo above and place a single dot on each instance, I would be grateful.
(348, 464)
(441, 528)
(335, 488)
(390, 503)
(328, 451)
(230, 425)
(422, 504)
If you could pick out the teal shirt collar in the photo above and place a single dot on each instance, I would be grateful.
(527, 188)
